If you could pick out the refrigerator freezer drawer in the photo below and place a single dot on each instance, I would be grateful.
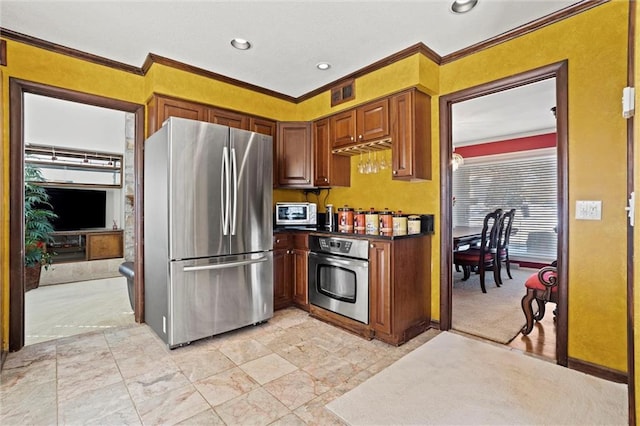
(216, 295)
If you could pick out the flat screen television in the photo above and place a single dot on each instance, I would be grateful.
(78, 208)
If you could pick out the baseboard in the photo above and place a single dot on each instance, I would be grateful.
(3, 357)
(598, 371)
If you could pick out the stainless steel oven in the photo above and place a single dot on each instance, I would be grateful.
(339, 276)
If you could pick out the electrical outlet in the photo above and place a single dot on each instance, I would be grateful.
(589, 210)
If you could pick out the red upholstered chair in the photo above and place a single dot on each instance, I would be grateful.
(482, 258)
(541, 287)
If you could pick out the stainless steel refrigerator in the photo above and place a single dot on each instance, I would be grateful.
(208, 232)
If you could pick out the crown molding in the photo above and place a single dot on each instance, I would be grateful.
(418, 48)
(552, 18)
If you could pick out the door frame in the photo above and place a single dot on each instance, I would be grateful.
(17, 89)
(559, 71)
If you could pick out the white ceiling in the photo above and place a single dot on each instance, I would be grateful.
(288, 37)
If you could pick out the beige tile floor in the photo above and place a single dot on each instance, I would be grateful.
(282, 372)
(62, 310)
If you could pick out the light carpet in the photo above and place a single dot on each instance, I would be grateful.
(454, 379)
(495, 315)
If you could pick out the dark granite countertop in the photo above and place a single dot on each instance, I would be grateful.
(321, 231)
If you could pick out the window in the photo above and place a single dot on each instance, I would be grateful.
(526, 181)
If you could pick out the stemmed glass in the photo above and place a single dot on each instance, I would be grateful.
(374, 164)
(369, 167)
(361, 165)
(383, 162)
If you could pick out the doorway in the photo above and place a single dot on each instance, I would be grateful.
(559, 72)
(18, 89)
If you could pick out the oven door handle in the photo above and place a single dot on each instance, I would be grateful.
(333, 260)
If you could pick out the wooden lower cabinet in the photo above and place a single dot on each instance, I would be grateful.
(380, 287)
(282, 271)
(399, 288)
(300, 288)
(290, 252)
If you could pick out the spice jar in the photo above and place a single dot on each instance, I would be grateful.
(399, 224)
(386, 221)
(371, 222)
(413, 224)
(345, 219)
(359, 223)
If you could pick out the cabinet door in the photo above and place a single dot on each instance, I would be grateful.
(328, 169)
(343, 129)
(262, 126)
(380, 287)
(228, 118)
(294, 156)
(282, 278)
(373, 121)
(300, 290)
(322, 153)
(104, 245)
(160, 108)
(411, 134)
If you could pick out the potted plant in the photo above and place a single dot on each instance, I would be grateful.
(37, 227)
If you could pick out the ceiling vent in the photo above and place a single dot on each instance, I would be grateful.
(343, 93)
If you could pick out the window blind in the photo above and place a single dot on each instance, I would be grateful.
(528, 184)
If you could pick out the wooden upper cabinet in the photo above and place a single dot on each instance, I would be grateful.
(160, 108)
(411, 135)
(263, 126)
(328, 169)
(365, 123)
(373, 121)
(343, 128)
(228, 118)
(294, 157)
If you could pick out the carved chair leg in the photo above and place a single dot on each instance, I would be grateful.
(496, 273)
(508, 265)
(541, 310)
(527, 308)
(481, 272)
(467, 272)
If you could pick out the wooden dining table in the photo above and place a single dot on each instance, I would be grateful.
(465, 236)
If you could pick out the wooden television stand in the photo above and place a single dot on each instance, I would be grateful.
(87, 244)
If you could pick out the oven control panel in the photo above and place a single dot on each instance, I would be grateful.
(340, 246)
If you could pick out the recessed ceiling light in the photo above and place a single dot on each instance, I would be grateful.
(463, 6)
(240, 44)
(323, 66)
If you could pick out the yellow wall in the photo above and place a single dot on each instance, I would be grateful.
(594, 43)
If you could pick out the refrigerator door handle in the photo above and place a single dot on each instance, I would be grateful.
(224, 265)
(224, 191)
(234, 168)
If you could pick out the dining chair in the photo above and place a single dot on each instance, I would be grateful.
(542, 287)
(482, 258)
(504, 233)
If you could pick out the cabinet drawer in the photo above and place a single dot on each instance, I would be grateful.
(281, 240)
(104, 246)
(301, 241)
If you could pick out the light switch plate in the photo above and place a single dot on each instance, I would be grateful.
(589, 210)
